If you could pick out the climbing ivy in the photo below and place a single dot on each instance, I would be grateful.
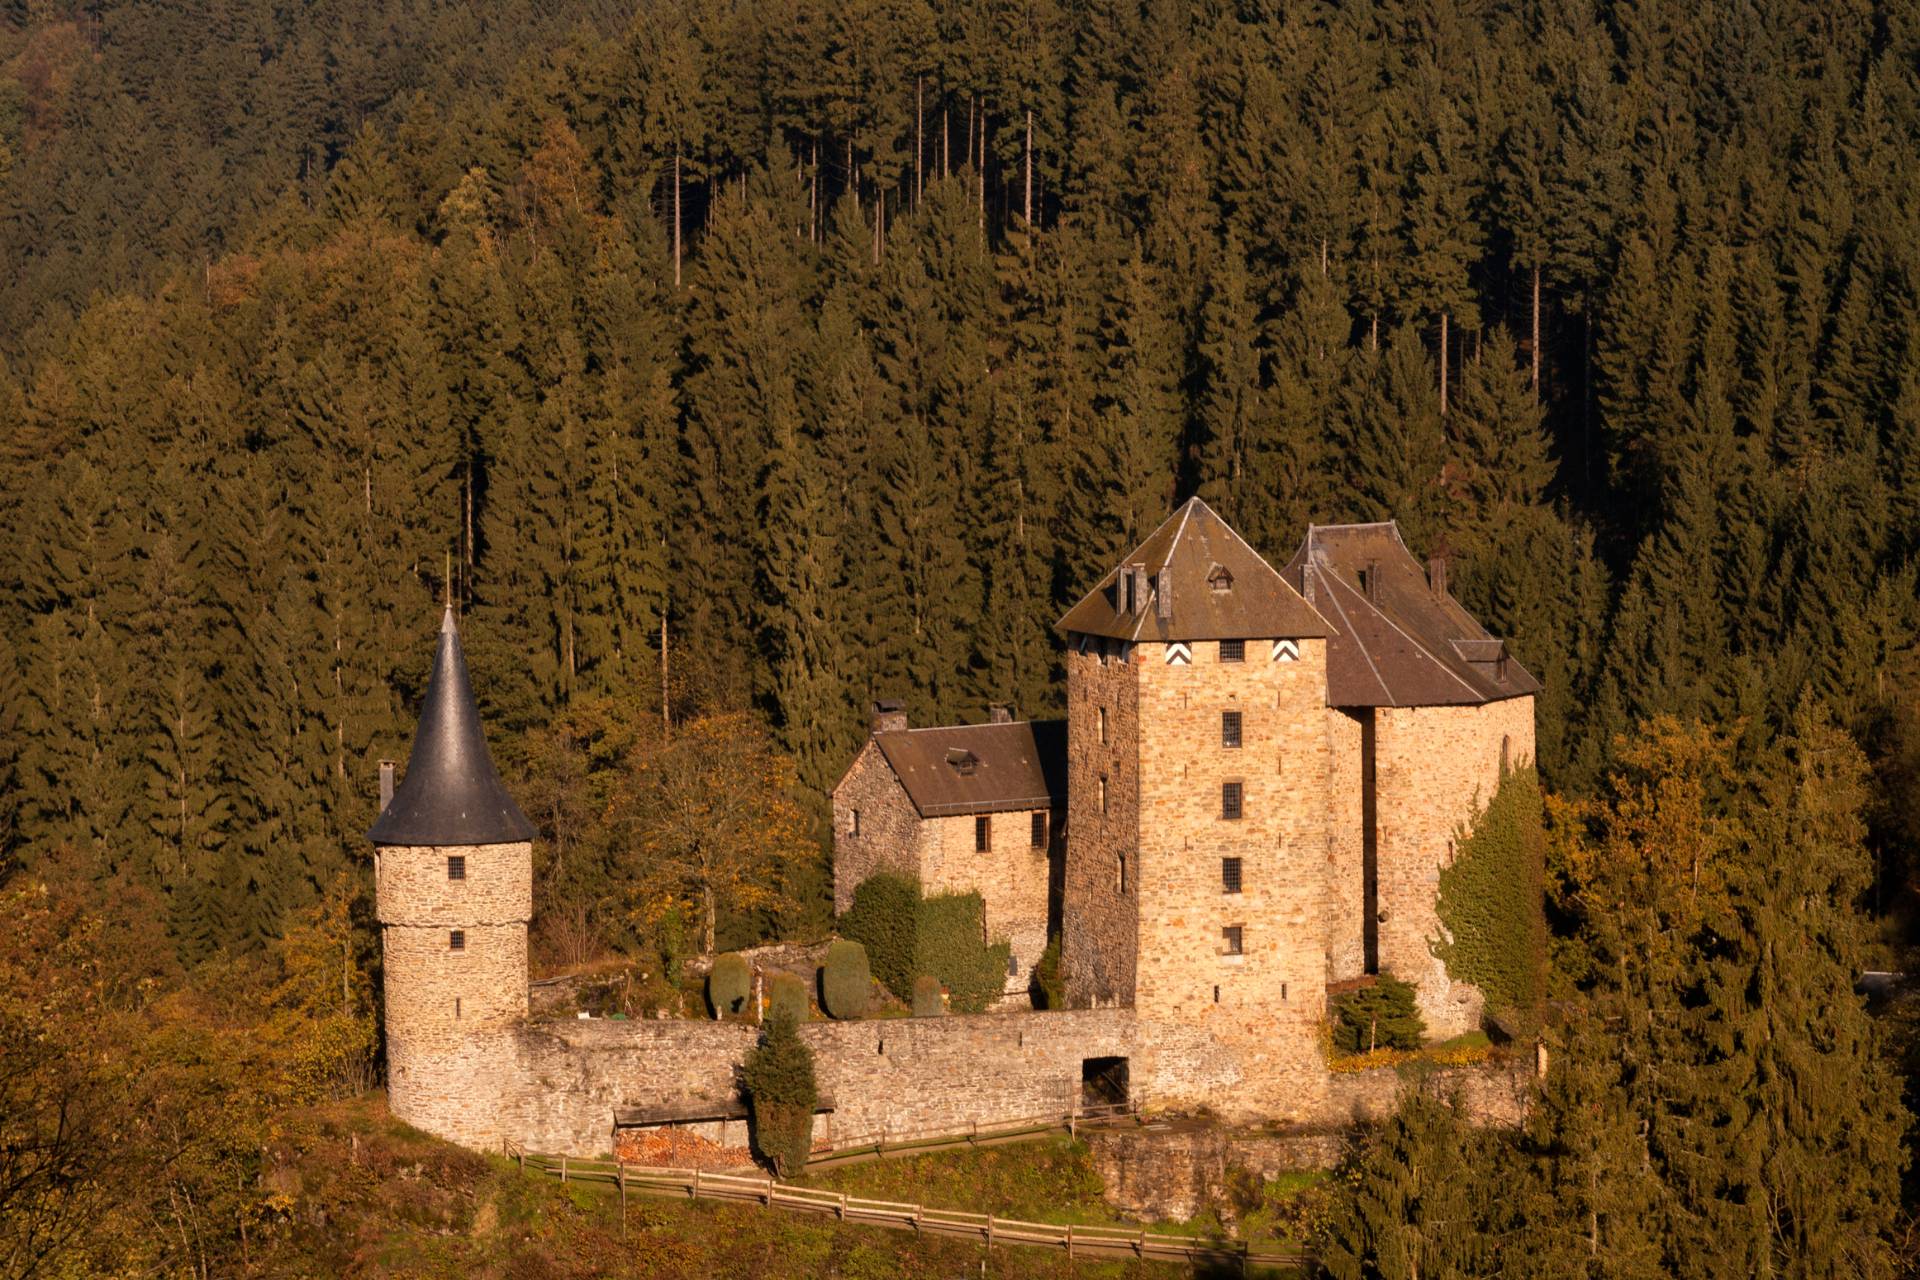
(1493, 927)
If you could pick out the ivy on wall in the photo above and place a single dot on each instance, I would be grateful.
(1494, 929)
(944, 936)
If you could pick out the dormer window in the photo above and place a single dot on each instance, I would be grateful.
(1218, 579)
(964, 762)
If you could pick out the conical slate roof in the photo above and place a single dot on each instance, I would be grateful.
(452, 794)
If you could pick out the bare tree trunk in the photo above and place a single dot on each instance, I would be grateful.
(919, 133)
(853, 180)
(1029, 168)
(1536, 333)
(946, 144)
(706, 904)
(676, 217)
(666, 718)
(983, 166)
(813, 197)
(1443, 362)
(1323, 257)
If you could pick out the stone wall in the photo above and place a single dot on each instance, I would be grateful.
(891, 834)
(1346, 845)
(1267, 1003)
(1011, 877)
(438, 999)
(1100, 906)
(1434, 768)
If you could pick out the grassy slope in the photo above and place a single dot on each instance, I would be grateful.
(361, 1195)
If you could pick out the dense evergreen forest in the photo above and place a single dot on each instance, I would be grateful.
(768, 356)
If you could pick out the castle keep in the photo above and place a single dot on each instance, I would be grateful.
(1259, 778)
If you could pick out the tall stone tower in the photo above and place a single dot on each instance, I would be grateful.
(1197, 811)
(454, 888)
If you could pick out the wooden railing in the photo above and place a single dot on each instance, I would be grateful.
(1077, 1240)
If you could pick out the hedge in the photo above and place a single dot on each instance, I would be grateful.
(729, 985)
(1494, 926)
(1381, 1016)
(907, 935)
(846, 981)
(787, 995)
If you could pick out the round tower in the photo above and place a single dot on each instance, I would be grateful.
(453, 876)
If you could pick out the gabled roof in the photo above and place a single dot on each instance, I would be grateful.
(1200, 549)
(1396, 642)
(980, 768)
(451, 794)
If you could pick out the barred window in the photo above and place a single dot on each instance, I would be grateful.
(1040, 829)
(1233, 651)
(457, 940)
(1230, 800)
(1229, 875)
(1229, 728)
(456, 867)
(982, 834)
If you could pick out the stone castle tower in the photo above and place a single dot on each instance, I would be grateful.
(1197, 761)
(453, 875)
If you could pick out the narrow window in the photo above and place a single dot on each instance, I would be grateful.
(456, 1008)
(1040, 829)
(1283, 991)
(1233, 651)
(982, 834)
(1229, 875)
(456, 867)
(1230, 800)
(1103, 795)
(1013, 966)
(856, 822)
(1506, 749)
(1230, 940)
(1229, 728)
(457, 940)
(1216, 995)
(1120, 866)
(1103, 726)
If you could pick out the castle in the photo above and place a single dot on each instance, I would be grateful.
(1260, 775)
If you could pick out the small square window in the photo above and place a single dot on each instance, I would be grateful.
(456, 867)
(1040, 829)
(982, 834)
(457, 940)
(1229, 875)
(1230, 941)
(1229, 728)
(1233, 651)
(1230, 800)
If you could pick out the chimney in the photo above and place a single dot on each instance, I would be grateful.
(999, 713)
(1163, 593)
(1437, 575)
(1370, 577)
(889, 716)
(386, 784)
(1306, 582)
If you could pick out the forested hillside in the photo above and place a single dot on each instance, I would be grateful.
(852, 339)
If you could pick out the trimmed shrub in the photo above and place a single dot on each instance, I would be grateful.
(846, 983)
(730, 985)
(1490, 903)
(779, 1081)
(926, 997)
(1381, 1016)
(1049, 987)
(907, 935)
(787, 995)
(883, 920)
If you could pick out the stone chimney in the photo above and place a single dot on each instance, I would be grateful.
(1163, 593)
(1437, 575)
(889, 716)
(386, 784)
(1370, 576)
(999, 713)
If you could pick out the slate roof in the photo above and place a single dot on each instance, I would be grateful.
(1400, 643)
(980, 768)
(1196, 545)
(451, 794)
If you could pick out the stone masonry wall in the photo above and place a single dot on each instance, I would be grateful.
(1011, 877)
(1435, 767)
(892, 834)
(438, 1000)
(1100, 917)
(1346, 847)
(1267, 1003)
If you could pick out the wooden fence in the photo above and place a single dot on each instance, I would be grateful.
(1076, 1240)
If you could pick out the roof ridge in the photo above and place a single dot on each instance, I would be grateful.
(1414, 640)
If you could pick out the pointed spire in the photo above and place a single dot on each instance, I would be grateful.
(452, 794)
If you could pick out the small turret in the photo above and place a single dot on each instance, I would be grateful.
(454, 892)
